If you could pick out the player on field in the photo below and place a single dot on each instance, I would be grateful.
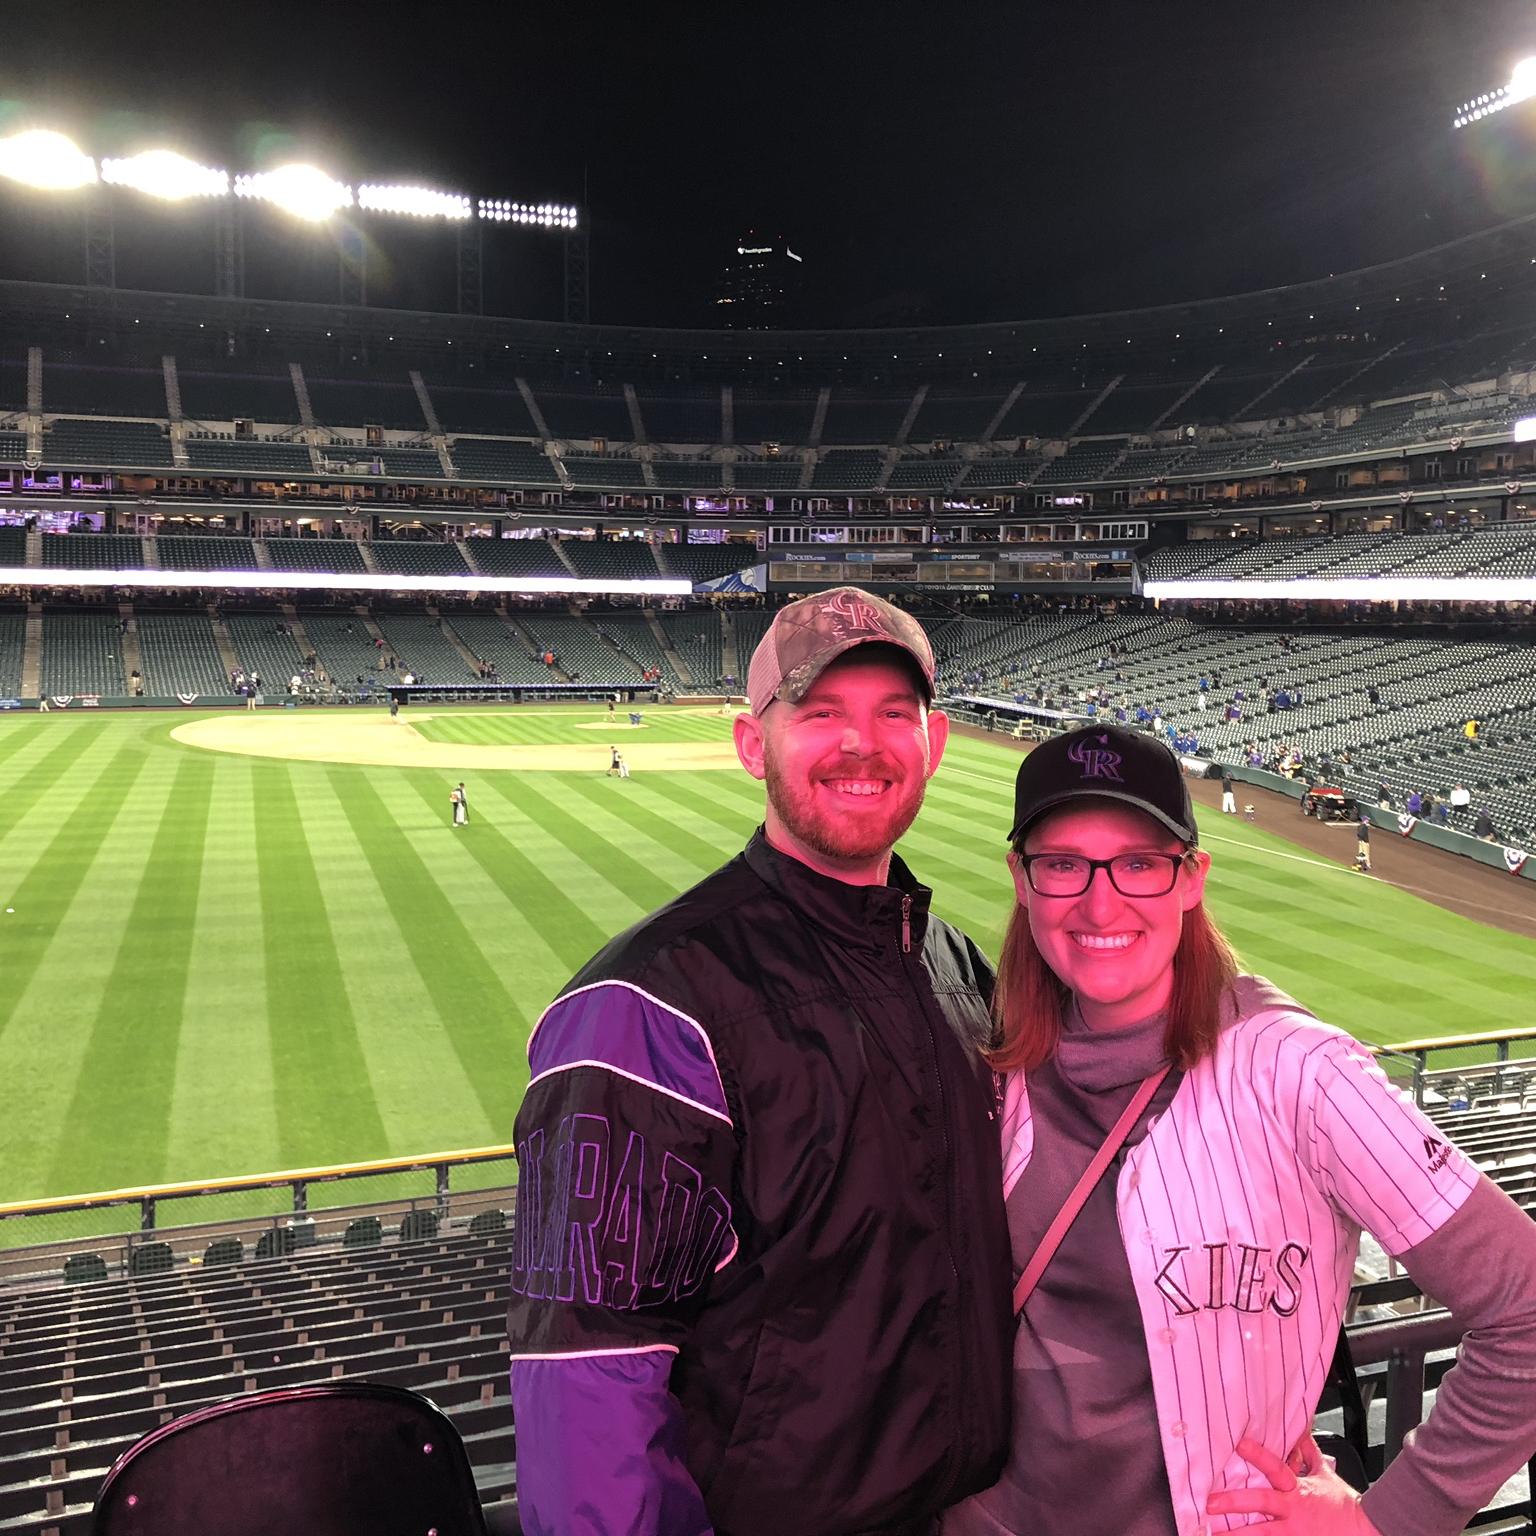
(1228, 799)
(760, 1277)
(1170, 1352)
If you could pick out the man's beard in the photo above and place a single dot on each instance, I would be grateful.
(852, 837)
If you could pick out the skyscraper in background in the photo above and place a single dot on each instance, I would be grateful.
(761, 286)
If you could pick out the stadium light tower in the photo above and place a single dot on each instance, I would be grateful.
(164, 174)
(48, 161)
(1521, 87)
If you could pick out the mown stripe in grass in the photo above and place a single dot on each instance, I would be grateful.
(582, 841)
(479, 1016)
(47, 890)
(126, 1077)
(317, 1058)
(735, 806)
(619, 799)
(565, 928)
(34, 780)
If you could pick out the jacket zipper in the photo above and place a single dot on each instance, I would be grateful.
(949, 1248)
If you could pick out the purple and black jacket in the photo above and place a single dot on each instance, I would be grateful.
(761, 1270)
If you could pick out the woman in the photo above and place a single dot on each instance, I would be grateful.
(1174, 1346)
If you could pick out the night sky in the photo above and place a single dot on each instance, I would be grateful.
(932, 163)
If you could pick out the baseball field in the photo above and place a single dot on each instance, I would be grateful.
(232, 943)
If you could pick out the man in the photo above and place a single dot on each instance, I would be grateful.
(1363, 845)
(1461, 798)
(613, 762)
(1228, 799)
(760, 1274)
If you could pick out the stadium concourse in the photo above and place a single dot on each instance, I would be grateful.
(1291, 531)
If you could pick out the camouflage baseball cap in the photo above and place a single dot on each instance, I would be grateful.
(807, 636)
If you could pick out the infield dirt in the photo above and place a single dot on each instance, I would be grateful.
(376, 740)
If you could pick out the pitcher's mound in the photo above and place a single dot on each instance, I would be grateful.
(378, 741)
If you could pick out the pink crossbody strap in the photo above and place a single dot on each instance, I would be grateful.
(1057, 1230)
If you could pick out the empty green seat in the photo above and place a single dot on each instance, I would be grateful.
(150, 1259)
(223, 1250)
(83, 1268)
(417, 1226)
(363, 1232)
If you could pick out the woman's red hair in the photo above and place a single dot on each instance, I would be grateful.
(1030, 1002)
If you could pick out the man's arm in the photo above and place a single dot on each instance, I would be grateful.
(625, 1149)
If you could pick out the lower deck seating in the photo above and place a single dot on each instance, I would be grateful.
(417, 639)
(180, 654)
(83, 653)
(265, 647)
(88, 1369)
(13, 638)
(487, 637)
(345, 649)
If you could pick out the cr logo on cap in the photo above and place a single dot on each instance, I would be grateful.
(855, 614)
(1097, 762)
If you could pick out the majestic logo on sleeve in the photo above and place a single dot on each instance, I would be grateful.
(1242, 1276)
(1436, 1153)
(1097, 762)
(620, 1226)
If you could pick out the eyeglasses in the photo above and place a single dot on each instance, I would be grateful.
(1132, 874)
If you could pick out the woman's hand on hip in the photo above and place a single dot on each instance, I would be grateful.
(1306, 1496)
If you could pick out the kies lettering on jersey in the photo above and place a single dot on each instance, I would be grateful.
(1240, 1212)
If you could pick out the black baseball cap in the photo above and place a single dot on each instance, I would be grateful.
(1104, 762)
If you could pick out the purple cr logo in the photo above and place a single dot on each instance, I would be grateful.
(1097, 762)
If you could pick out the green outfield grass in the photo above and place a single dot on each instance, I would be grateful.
(220, 964)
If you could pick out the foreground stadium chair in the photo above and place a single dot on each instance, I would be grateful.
(363, 1232)
(485, 1223)
(83, 1268)
(223, 1250)
(151, 1259)
(418, 1226)
(329, 1460)
(278, 1243)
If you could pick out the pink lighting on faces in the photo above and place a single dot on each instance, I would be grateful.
(846, 767)
(1114, 952)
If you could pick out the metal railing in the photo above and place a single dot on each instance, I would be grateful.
(1393, 1361)
(316, 1204)
(1415, 1055)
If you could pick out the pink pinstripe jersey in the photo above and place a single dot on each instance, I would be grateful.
(1241, 1211)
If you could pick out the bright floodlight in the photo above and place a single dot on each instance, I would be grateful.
(548, 215)
(421, 201)
(1521, 87)
(302, 190)
(46, 160)
(164, 173)
(1525, 429)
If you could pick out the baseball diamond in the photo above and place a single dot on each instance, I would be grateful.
(213, 962)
